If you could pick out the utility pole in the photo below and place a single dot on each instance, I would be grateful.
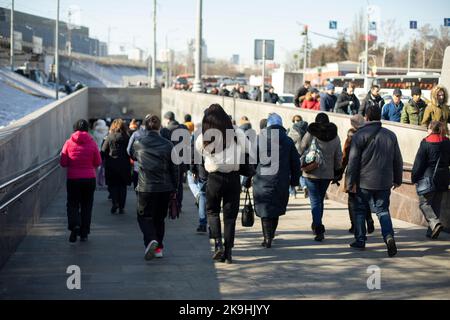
(57, 51)
(263, 71)
(12, 40)
(305, 51)
(153, 78)
(198, 87)
(366, 59)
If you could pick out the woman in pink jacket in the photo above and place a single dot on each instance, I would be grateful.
(81, 157)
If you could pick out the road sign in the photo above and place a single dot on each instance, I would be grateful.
(333, 25)
(373, 25)
(447, 22)
(413, 24)
(270, 49)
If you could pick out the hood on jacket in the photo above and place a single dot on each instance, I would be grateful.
(421, 104)
(324, 132)
(300, 127)
(246, 126)
(435, 138)
(434, 93)
(377, 98)
(81, 138)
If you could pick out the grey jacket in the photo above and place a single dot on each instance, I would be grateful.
(330, 144)
(374, 164)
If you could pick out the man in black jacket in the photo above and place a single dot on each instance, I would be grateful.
(373, 99)
(375, 166)
(348, 103)
(158, 181)
(301, 93)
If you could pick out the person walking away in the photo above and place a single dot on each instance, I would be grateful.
(81, 156)
(348, 103)
(134, 137)
(262, 124)
(311, 101)
(222, 162)
(393, 110)
(99, 134)
(296, 133)
(414, 110)
(322, 136)
(328, 99)
(117, 165)
(375, 166)
(271, 192)
(373, 99)
(433, 160)
(189, 124)
(245, 124)
(170, 125)
(198, 178)
(158, 181)
(301, 94)
(437, 109)
(357, 121)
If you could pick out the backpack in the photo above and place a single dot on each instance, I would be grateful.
(312, 158)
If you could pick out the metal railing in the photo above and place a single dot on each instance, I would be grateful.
(28, 174)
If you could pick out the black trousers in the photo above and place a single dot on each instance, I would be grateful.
(152, 211)
(80, 200)
(352, 210)
(226, 188)
(118, 195)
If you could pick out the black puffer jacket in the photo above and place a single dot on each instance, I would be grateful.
(371, 101)
(431, 149)
(375, 164)
(157, 172)
(347, 104)
(117, 160)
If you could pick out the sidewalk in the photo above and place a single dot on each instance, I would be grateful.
(113, 267)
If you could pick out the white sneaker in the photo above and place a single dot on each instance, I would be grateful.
(159, 253)
(150, 251)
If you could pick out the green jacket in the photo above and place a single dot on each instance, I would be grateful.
(413, 112)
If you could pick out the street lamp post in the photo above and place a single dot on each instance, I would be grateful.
(153, 77)
(57, 51)
(12, 37)
(198, 61)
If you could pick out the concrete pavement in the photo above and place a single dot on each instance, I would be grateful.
(113, 267)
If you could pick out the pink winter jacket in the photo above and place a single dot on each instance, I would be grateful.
(80, 155)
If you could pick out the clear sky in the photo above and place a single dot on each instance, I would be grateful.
(231, 26)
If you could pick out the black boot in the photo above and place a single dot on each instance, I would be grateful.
(218, 250)
(267, 233)
(227, 258)
(370, 226)
(320, 233)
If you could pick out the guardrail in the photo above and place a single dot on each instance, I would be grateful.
(8, 186)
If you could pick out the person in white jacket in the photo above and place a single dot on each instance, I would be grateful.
(222, 157)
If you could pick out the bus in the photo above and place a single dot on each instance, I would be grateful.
(389, 83)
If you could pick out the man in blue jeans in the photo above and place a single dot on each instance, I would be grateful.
(375, 167)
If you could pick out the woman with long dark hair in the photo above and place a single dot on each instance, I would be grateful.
(222, 156)
(117, 164)
(81, 157)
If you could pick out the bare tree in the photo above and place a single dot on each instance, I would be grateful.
(391, 33)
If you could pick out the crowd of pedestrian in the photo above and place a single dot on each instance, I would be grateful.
(310, 159)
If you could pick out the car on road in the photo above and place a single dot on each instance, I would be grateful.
(286, 99)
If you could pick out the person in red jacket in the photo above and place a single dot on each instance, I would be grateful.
(81, 156)
(312, 101)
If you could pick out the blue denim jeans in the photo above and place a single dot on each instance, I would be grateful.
(198, 189)
(317, 191)
(379, 201)
(303, 182)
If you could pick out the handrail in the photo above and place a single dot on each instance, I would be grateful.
(18, 196)
(26, 174)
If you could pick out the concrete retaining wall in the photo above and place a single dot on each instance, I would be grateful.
(404, 204)
(126, 103)
(25, 144)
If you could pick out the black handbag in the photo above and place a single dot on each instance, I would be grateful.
(426, 184)
(248, 214)
(246, 169)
